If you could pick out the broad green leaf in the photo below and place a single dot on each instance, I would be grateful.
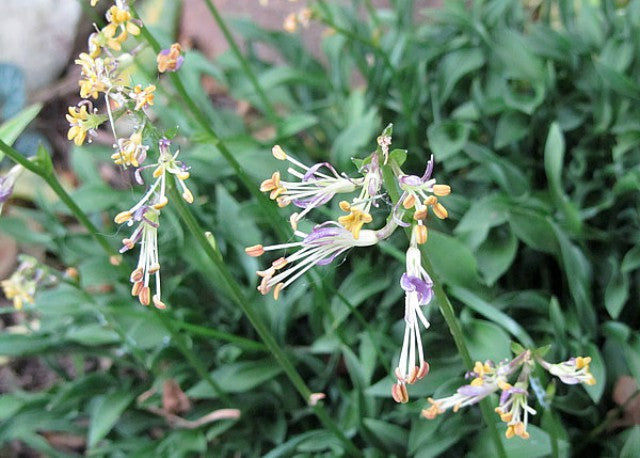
(452, 260)
(496, 254)
(518, 60)
(455, 66)
(391, 437)
(106, 411)
(487, 341)
(92, 335)
(631, 260)
(616, 293)
(237, 378)
(295, 123)
(11, 129)
(632, 444)
(9, 405)
(534, 230)
(447, 138)
(512, 126)
(537, 446)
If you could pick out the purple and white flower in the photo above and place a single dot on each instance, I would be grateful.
(7, 182)
(317, 248)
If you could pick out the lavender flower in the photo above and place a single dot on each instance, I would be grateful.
(320, 247)
(7, 182)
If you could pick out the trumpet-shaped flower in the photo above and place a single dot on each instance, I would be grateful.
(317, 185)
(148, 262)
(320, 247)
(418, 292)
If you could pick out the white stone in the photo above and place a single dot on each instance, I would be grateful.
(38, 37)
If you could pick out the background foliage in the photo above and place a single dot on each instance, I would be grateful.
(531, 112)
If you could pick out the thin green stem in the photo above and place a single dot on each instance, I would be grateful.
(50, 178)
(201, 119)
(235, 293)
(447, 312)
(244, 63)
(241, 342)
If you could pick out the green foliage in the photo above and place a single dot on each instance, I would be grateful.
(531, 117)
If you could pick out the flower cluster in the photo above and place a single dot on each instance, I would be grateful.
(513, 407)
(313, 186)
(21, 286)
(102, 75)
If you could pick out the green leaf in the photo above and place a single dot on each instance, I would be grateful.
(597, 368)
(632, 444)
(452, 260)
(518, 59)
(9, 405)
(496, 254)
(489, 311)
(392, 437)
(447, 138)
(554, 157)
(92, 335)
(105, 413)
(237, 378)
(295, 123)
(537, 446)
(512, 126)
(616, 293)
(631, 260)
(534, 230)
(455, 66)
(487, 341)
(11, 129)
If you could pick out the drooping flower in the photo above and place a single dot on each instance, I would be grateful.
(146, 232)
(170, 59)
(7, 182)
(418, 292)
(572, 371)
(318, 185)
(318, 248)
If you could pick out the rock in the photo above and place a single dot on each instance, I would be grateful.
(38, 36)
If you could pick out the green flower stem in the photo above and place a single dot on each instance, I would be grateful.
(235, 292)
(46, 173)
(264, 202)
(244, 63)
(447, 312)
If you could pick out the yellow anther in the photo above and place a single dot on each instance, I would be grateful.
(255, 250)
(153, 268)
(158, 303)
(409, 201)
(582, 362)
(187, 196)
(344, 206)
(424, 370)
(278, 153)
(503, 385)
(420, 214)
(283, 201)
(136, 288)
(183, 175)
(293, 220)
(591, 380)
(354, 221)
(279, 263)
(431, 200)
(421, 234)
(145, 295)
(136, 275)
(506, 417)
(123, 217)
(477, 382)
(441, 189)
(456, 407)
(413, 375)
(399, 393)
(440, 211)
(158, 171)
(509, 433)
